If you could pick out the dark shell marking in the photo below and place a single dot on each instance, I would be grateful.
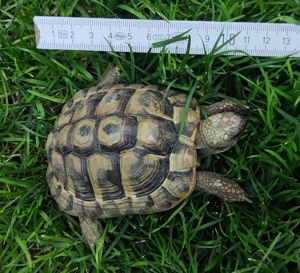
(115, 151)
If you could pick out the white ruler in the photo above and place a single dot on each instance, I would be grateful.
(100, 34)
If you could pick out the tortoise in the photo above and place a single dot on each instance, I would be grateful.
(120, 149)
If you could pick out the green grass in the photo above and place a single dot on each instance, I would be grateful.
(204, 233)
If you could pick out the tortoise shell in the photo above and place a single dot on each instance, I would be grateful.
(117, 151)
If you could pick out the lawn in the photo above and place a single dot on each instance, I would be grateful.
(203, 233)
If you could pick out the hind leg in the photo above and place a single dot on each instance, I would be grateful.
(91, 230)
(110, 78)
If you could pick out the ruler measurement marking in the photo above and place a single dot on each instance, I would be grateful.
(257, 39)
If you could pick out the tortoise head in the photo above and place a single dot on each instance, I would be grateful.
(219, 132)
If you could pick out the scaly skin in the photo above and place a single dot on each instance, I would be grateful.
(220, 186)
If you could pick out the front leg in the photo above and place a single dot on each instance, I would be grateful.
(226, 106)
(220, 186)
